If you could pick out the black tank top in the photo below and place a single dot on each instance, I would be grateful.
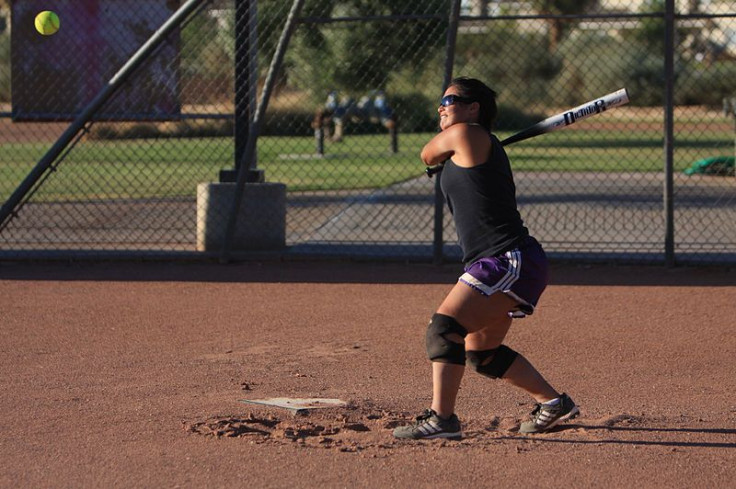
(482, 200)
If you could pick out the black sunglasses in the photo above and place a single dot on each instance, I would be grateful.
(448, 100)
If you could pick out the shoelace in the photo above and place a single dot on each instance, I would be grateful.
(423, 417)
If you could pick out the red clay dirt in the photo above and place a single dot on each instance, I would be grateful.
(131, 375)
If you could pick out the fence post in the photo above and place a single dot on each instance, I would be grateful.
(319, 140)
(439, 202)
(246, 161)
(669, 49)
(246, 78)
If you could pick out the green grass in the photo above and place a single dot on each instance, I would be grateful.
(119, 169)
(166, 168)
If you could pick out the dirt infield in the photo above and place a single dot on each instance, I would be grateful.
(130, 375)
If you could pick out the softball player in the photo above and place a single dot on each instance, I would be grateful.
(505, 269)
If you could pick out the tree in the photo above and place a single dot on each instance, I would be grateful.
(362, 55)
(350, 55)
(557, 27)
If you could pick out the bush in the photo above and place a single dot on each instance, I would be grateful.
(514, 63)
(416, 113)
(514, 119)
(706, 85)
(288, 122)
(156, 130)
(584, 76)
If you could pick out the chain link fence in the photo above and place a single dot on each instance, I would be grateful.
(99, 160)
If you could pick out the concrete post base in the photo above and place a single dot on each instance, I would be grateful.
(261, 223)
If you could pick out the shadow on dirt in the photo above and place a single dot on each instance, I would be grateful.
(327, 271)
(605, 433)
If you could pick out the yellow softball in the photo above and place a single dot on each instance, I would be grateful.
(47, 23)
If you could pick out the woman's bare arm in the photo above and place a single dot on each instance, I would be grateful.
(467, 144)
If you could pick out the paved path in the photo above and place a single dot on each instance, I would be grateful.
(585, 212)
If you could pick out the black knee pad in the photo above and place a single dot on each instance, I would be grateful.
(439, 347)
(501, 359)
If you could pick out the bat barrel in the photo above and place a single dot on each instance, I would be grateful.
(558, 121)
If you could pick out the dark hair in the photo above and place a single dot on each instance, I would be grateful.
(480, 92)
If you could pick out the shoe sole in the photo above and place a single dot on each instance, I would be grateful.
(447, 436)
(574, 412)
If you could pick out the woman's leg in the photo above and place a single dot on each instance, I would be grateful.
(487, 322)
(521, 373)
(475, 312)
(446, 379)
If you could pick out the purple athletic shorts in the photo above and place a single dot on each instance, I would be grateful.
(520, 273)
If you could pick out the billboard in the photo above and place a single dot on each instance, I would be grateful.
(53, 77)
